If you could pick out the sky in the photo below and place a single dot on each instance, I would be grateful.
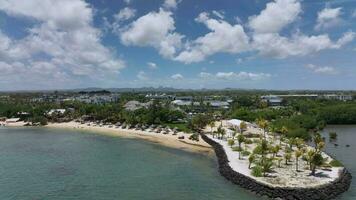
(250, 44)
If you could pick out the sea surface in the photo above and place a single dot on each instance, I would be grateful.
(46, 164)
(54, 164)
(347, 155)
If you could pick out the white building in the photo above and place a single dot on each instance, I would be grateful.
(340, 97)
(235, 123)
(56, 111)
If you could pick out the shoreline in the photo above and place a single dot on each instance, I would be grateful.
(167, 140)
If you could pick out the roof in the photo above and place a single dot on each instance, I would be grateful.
(235, 122)
(61, 111)
(12, 120)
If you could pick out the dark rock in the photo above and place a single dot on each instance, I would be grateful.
(325, 192)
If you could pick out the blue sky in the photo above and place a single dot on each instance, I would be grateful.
(280, 44)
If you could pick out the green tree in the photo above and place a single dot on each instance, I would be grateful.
(251, 159)
(231, 142)
(287, 157)
(240, 140)
(263, 124)
(297, 154)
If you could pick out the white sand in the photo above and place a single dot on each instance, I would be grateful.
(13, 124)
(168, 140)
(286, 176)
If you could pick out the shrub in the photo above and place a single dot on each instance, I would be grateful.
(257, 171)
(336, 163)
(231, 142)
(194, 137)
(246, 153)
(248, 141)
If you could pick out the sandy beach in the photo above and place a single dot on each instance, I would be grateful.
(168, 140)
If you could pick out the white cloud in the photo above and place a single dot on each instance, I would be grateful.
(218, 14)
(223, 37)
(63, 32)
(141, 75)
(321, 69)
(230, 76)
(177, 76)
(328, 17)
(127, 1)
(274, 45)
(275, 16)
(152, 65)
(125, 14)
(170, 4)
(155, 29)
(267, 40)
(205, 75)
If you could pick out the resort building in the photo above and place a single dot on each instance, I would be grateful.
(272, 100)
(339, 97)
(218, 104)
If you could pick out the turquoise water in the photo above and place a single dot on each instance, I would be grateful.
(42, 164)
(347, 155)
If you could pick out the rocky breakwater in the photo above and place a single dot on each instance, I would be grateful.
(321, 192)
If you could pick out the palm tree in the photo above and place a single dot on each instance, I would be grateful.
(219, 131)
(264, 147)
(275, 150)
(273, 130)
(263, 124)
(222, 132)
(317, 160)
(266, 165)
(251, 159)
(291, 142)
(284, 131)
(231, 142)
(243, 127)
(212, 125)
(297, 154)
(240, 140)
(299, 142)
(287, 157)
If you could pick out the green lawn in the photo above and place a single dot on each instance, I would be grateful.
(181, 126)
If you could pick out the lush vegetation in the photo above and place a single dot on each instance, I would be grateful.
(297, 118)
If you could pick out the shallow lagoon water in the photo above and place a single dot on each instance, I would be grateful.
(41, 163)
(347, 155)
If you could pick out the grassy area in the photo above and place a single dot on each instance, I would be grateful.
(181, 126)
(335, 163)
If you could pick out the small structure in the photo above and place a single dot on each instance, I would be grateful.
(56, 111)
(12, 120)
(235, 124)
